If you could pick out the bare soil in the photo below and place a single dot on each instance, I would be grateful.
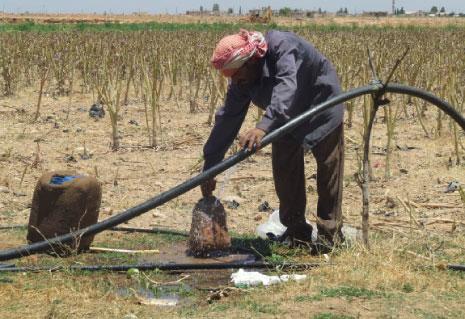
(421, 169)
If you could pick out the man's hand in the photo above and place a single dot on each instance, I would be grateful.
(208, 187)
(252, 137)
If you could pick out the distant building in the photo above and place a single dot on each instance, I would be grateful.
(419, 13)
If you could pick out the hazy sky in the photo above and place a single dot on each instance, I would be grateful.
(180, 6)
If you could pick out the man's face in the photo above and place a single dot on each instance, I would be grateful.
(247, 74)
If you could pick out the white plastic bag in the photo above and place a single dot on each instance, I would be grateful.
(254, 278)
(272, 225)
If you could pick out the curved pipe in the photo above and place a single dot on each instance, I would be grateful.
(229, 162)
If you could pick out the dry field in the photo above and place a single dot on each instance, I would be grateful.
(182, 18)
(416, 227)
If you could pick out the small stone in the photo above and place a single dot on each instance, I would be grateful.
(452, 187)
(70, 159)
(19, 194)
(133, 122)
(96, 111)
(403, 171)
(50, 118)
(66, 130)
(4, 189)
(390, 202)
(232, 204)
(390, 214)
(158, 214)
(85, 156)
(264, 207)
(258, 217)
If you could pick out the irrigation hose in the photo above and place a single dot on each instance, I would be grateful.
(11, 268)
(229, 162)
(167, 267)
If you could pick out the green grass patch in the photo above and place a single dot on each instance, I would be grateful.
(408, 287)
(257, 307)
(350, 292)
(266, 249)
(219, 307)
(251, 244)
(8, 214)
(346, 292)
(421, 313)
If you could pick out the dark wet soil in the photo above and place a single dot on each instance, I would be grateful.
(178, 253)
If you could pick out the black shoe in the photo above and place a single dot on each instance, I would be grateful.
(298, 235)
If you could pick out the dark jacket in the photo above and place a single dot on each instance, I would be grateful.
(295, 78)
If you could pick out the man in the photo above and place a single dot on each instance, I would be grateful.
(284, 75)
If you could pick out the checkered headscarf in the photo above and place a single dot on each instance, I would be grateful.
(234, 50)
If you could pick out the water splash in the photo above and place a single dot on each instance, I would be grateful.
(227, 176)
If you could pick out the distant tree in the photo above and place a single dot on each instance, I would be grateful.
(443, 9)
(401, 11)
(216, 7)
(319, 11)
(240, 11)
(201, 8)
(434, 10)
(230, 10)
(346, 11)
(286, 11)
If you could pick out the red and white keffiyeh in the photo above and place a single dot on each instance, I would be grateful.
(234, 50)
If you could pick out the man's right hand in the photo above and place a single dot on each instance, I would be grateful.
(208, 187)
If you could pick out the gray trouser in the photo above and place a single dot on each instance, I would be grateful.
(289, 179)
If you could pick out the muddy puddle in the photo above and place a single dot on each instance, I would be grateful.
(168, 296)
(177, 253)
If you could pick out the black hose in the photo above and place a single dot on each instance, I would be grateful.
(175, 267)
(227, 163)
(166, 267)
(456, 267)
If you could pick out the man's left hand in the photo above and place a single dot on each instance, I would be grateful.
(252, 138)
